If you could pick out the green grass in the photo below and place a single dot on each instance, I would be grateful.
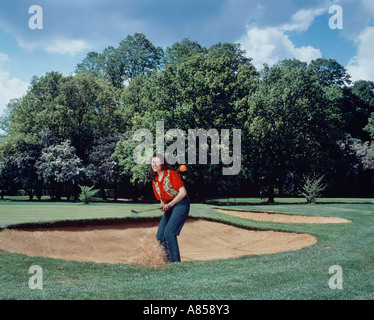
(302, 274)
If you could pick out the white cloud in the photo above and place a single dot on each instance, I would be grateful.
(303, 19)
(361, 66)
(61, 46)
(307, 53)
(10, 88)
(270, 45)
(66, 46)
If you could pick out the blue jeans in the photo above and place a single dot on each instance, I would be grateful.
(170, 226)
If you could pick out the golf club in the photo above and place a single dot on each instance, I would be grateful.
(133, 211)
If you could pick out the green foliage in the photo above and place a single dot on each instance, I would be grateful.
(135, 56)
(293, 115)
(182, 51)
(87, 193)
(59, 167)
(313, 187)
(370, 126)
(202, 90)
(291, 124)
(330, 73)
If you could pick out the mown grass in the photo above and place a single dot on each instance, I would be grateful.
(302, 274)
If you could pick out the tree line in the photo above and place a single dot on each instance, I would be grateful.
(297, 120)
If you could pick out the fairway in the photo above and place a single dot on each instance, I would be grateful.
(225, 263)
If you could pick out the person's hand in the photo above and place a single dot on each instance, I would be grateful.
(162, 204)
(165, 207)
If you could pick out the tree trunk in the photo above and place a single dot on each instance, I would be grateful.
(29, 193)
(115, 190)
(271, 194)
(39, 189)
(58, 191)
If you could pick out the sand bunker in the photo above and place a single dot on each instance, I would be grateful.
(134, 242)
(282, 218)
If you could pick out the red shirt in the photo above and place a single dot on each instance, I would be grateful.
(175, 181)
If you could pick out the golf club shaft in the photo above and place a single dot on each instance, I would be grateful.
(146, 210)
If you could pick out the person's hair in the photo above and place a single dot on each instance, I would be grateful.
(164, 165)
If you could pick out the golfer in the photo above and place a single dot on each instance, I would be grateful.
(168, 187)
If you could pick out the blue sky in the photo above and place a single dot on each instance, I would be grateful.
(269, 31)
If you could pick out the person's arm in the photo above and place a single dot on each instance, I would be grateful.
(166, 206)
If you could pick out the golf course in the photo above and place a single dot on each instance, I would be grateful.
(271, 258)
(187, 157)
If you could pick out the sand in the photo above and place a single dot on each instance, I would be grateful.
(282, 218)
(134, 243)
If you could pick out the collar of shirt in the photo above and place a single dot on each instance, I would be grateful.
(163, 176)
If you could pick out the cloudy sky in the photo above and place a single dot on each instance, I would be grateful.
(269, 31)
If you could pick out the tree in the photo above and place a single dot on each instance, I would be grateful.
(363, 91)
(107, 168)
(232, 51)
(2, 177)
(356, 167)
(329, 72)
(291, 126)
(78, 108)
(138, 56)
(25, 171)
(181, 51)
(85, 109)
(7, 174)
(27, 116)
(91, 62)
(198, 91)
(293, 117)
(363, 153)
(135, 56)
(355, 101)
(132, 102)
(61, 169)
(112, 66)
(370, 127)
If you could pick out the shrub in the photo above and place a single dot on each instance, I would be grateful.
(312, 187)
(87, 193)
